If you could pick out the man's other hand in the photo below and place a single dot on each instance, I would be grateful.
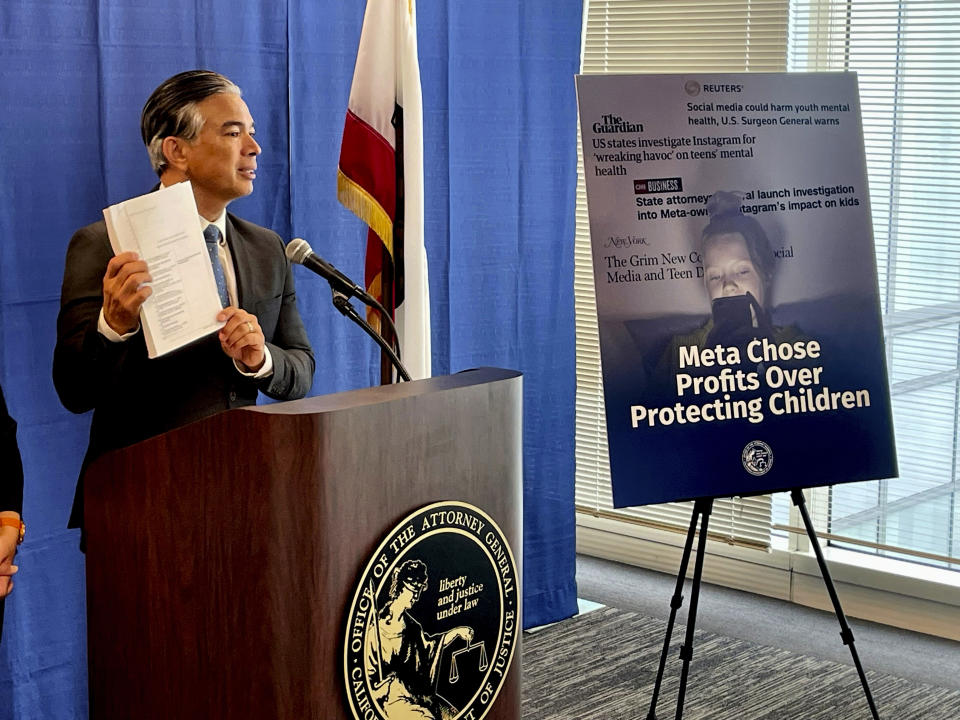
(124, 291)
(241, 337)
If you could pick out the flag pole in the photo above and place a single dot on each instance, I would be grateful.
(386, 287)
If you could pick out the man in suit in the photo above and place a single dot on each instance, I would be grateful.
(11, 502)
(196, 127)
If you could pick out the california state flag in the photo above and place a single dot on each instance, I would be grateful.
(380, 175)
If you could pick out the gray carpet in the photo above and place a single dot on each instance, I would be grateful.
(602, 665)
(777, 623)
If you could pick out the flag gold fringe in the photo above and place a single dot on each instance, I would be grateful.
(373, 315)
(362, 204)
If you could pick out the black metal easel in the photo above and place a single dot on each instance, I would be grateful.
(701, 516)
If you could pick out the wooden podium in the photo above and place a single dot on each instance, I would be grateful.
(222, 556)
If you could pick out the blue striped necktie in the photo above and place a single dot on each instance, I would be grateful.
(211, 233)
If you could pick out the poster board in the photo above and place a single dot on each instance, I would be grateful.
(702, 188)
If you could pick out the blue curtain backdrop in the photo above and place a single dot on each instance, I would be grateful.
(499, 112)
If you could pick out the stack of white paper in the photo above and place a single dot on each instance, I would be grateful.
(163, 228)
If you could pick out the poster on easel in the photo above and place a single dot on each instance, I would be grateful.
(738, 307)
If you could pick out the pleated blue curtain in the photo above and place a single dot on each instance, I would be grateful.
(499, 171)
(507, 268)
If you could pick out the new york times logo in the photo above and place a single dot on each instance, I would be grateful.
(434, 620)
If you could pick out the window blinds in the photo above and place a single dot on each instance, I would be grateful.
(907, 57)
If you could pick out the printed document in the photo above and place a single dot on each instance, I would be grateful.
(163, 228)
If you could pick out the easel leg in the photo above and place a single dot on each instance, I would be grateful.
(701, 508)
(686, 650)
(845, 632)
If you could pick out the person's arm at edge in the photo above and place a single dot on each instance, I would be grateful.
(11, 496)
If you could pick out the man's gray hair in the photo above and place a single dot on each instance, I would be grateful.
(172, 110)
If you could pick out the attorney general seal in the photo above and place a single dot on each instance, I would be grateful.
(434, 620)
(757, 458)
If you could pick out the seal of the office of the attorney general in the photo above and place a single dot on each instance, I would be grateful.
(757, 457)
(434, 620)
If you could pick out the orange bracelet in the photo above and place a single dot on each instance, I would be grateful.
(18, 524)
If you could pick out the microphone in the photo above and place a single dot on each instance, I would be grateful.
(299, 251)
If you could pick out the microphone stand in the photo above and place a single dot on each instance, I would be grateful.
(370, 300)
(342, 303)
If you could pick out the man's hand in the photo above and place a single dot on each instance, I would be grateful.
(124, 291)
(8, 548)
(241, 338)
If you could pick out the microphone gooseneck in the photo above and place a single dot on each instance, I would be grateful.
(299, 251)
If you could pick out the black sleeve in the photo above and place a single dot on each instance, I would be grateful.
(11, 472)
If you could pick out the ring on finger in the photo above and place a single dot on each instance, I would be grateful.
(249, 326)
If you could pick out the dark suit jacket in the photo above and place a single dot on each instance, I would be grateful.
(133, 397)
